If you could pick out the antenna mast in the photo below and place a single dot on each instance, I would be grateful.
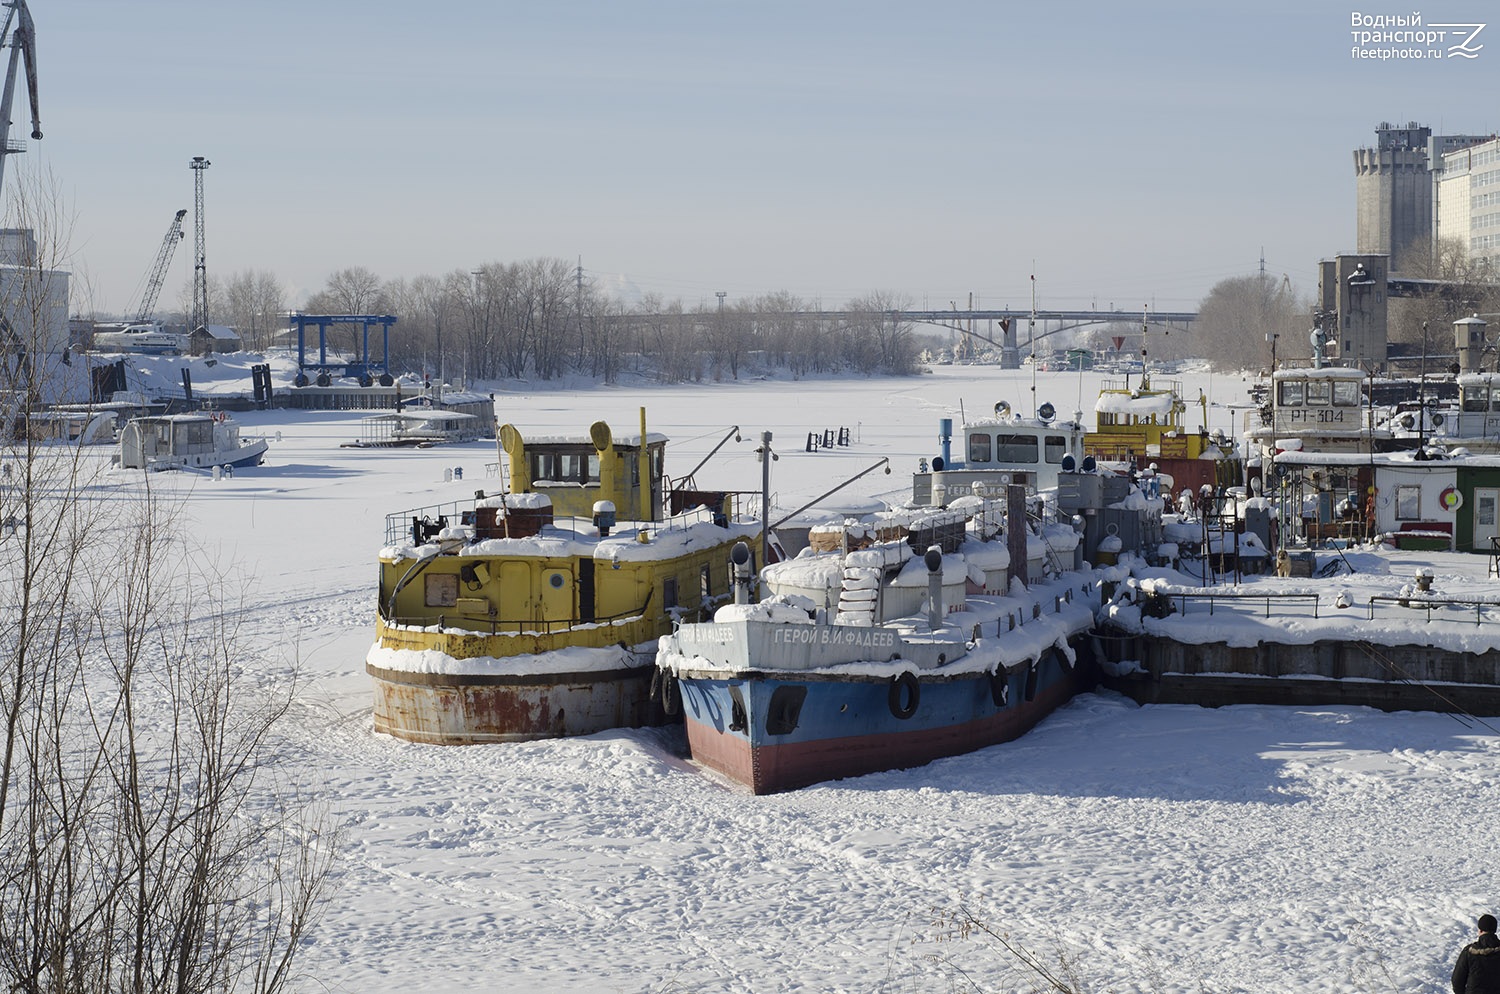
(200, 267)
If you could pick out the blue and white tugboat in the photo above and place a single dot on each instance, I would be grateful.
(841, 671)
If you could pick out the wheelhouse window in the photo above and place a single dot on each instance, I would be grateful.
(1476, 400)
(1408, 503)
(1319, 393)
(1289, 393)
(1345, 393)
(1054, 447)
(979, 448)
(563, 466)
(1016, 448)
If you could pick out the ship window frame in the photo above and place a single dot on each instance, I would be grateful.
(1007, 444)
(669, 592)
(981, 447)
(1054, 448)
(1290, 393)
(1476, 401)
(1346, 393)
(564, 464)
(1318, 393)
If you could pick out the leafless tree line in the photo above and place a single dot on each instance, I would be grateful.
(544, 319)
(151, 837)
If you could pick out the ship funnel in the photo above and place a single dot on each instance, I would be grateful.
(945, 439)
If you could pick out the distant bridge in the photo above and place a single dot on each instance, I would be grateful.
(1008, 320)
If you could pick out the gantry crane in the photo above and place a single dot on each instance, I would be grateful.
(22, 41)
(159, 269)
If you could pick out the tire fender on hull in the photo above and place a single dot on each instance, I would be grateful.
(904, 695)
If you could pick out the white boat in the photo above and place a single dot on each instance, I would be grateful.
(187, 441)
(996, 452)
(147, 337)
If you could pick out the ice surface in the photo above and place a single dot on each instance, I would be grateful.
(1165, 848)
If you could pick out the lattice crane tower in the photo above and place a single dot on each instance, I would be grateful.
(200, 266)
(22, 43)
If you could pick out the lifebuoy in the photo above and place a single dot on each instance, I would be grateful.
(1451, 499)
(904, 695)
(1000, 687)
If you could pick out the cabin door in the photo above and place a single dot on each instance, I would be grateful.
(1486, 516)
(557, 596)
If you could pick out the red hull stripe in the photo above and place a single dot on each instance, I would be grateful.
(769, 768)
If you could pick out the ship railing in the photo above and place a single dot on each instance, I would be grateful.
(1236, 600)
(398, 526)
(1157, 386)
(1380, 605)
(1405, 603)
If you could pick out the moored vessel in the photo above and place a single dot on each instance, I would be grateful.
(187, 441)
(925, 641)
(1144, 424)
(533, 612)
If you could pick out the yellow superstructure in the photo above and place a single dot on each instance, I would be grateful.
(534, 612)
(1144, 424)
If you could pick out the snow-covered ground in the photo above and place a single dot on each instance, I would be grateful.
(1162, 848)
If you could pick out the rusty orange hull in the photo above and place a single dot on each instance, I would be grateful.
(458, 709)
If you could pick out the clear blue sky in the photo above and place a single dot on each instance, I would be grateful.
(1125, 153)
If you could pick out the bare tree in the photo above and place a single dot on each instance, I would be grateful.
(149, 839)
(355, 290)
(880, 341)
(1460, 285)
(254, 303)
(1243, 316)
(547, 287)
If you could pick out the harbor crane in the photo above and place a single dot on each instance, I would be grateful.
(20, 34)
(159, 268)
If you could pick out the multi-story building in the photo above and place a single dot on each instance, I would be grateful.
(1468, 199)
(1395, 192)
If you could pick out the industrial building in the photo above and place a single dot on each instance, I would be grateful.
(1396, 192)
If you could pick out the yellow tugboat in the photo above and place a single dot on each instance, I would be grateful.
(534, 613)
(1143, 424)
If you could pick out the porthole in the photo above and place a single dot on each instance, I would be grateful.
(557, 581)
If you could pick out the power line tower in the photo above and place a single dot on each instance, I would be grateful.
(200, 267)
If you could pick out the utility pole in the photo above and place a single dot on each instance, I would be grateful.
(200, 265)
(766, 456)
